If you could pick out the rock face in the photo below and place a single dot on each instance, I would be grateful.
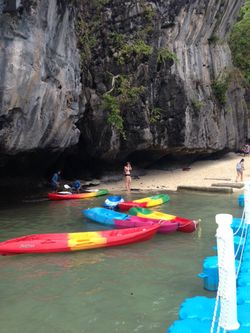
(182, 109)
(164, 65)
(40, 78)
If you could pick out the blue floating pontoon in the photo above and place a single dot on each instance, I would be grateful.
(243, 294)
(203, 326)
(245, 267)
(196, 315)
(210, 273)
(190, 326)
(200, 307)
(244, 280)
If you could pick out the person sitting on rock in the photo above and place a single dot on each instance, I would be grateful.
(245, 150)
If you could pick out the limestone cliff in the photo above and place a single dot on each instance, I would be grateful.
(192, 100)
(119, 78)
(40, 77)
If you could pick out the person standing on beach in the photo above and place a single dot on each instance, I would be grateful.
(239, 169)
(55, 181)
(127, 174)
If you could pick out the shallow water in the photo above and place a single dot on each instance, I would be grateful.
(134, 288)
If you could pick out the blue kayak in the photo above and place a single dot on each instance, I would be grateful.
(104, 215)
(120, 220)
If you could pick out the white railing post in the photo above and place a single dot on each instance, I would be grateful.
(227, 276)
(247, 202)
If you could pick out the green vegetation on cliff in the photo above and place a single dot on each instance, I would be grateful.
(122, 94)
(137, 48)
(86, 40)
(155, 115)
(164, 55)
(126, 48)
(220, 86)
(240, 41)
(115, 119)
(197, 104)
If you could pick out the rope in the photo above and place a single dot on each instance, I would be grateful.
(242, 241)
(242, 219)
(215, 311)
(241, 237)
(243, 247)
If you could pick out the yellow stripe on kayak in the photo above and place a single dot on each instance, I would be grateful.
(143, 200)
(157, 215)
(85, 240)
(154, 203)
(87, 195)
(150, 202)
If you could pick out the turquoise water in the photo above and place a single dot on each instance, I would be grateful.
(135, 288)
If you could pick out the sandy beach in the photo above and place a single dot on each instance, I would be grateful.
(201, 174)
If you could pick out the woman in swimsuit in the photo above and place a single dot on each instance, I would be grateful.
(239, 169)
(127, 174)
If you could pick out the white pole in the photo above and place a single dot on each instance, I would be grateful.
(227, 277)
(247, 202)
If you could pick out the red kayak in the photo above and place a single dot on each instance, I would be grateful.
(154, 200)
(65, 195)
(136, 221)
(66, 242)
